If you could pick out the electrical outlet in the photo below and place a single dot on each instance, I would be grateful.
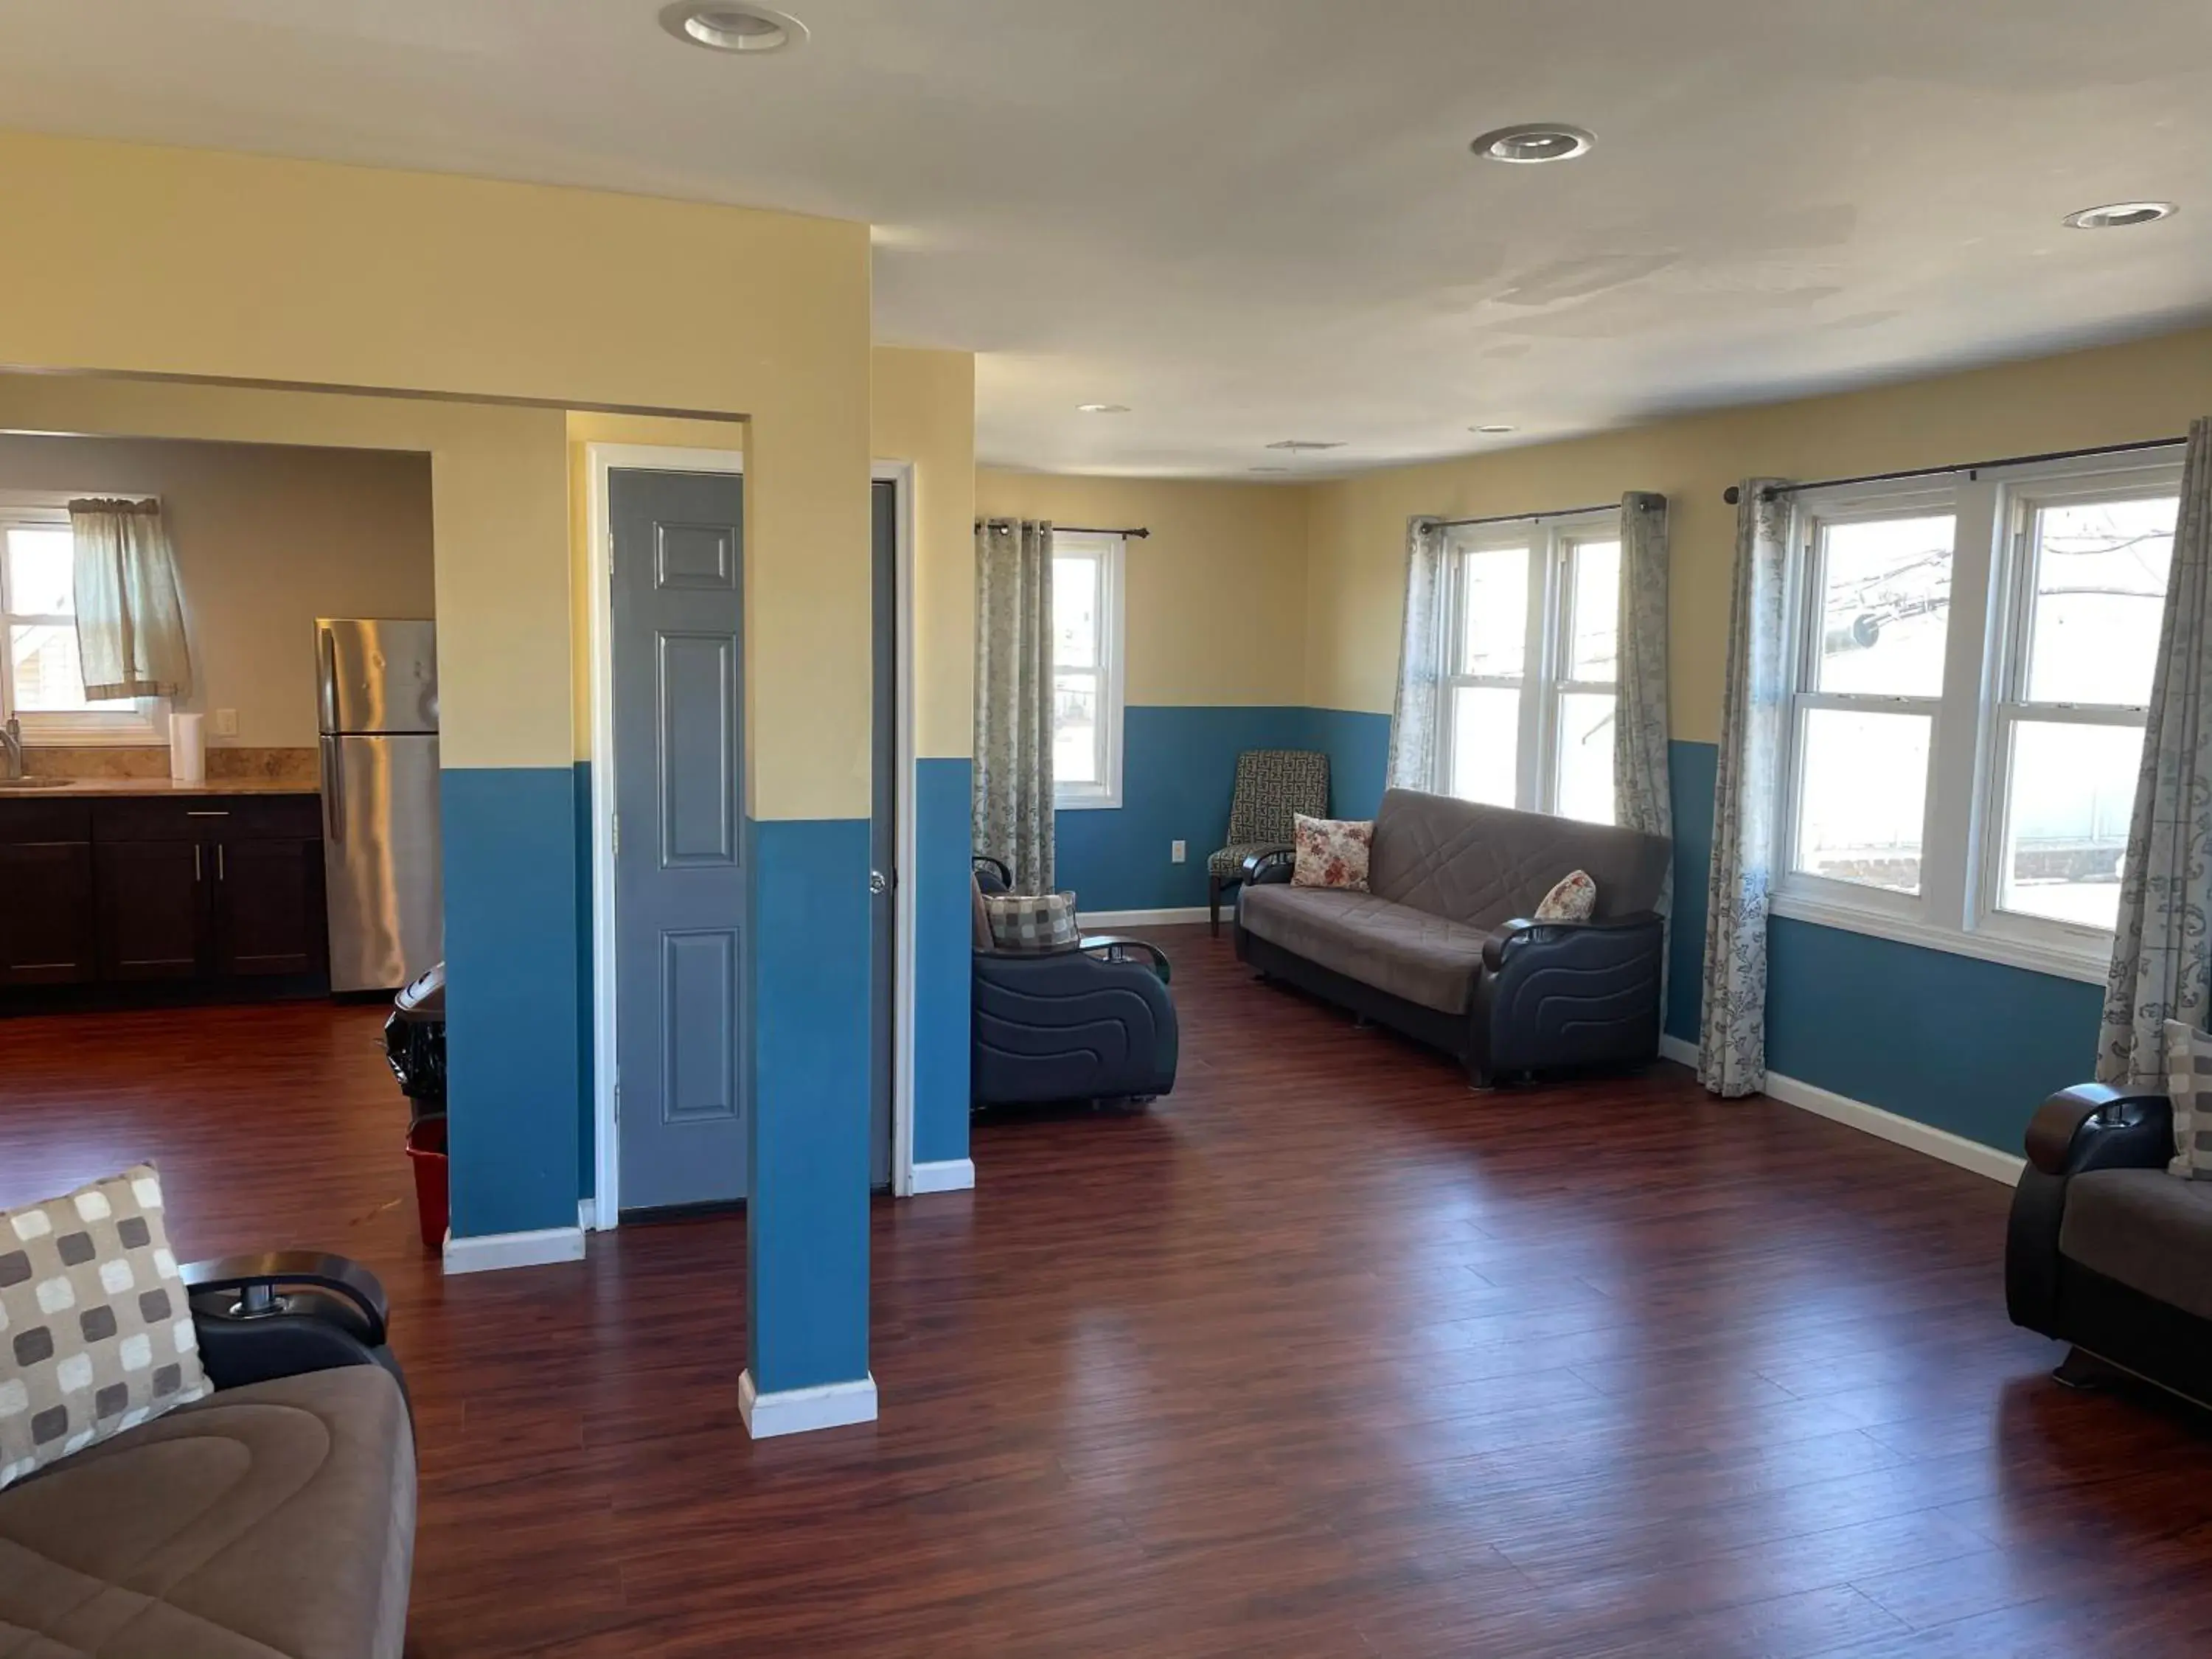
(1175, 851)
(226, 722)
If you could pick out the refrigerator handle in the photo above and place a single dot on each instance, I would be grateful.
(326, 646)
(333, 791)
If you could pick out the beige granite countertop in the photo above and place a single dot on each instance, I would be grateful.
(154, 786)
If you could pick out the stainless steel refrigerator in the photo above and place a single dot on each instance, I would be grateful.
(377, 708)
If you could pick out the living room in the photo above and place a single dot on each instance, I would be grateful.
(1704, 465)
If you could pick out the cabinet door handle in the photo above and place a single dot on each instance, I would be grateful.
(193, 813)
(198, 874)
(220, 873)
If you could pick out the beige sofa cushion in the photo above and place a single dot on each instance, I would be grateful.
(1393, 947)
(277, 1519)
(2143, 1229)
(1482, 866)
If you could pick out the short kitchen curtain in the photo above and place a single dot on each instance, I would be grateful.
(1013, 799)
(2161, 948)
(129, 617)
(1732, 1043)
(1416, 714)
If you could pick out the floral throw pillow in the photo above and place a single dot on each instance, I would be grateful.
(1331, 852)
(1573, 899)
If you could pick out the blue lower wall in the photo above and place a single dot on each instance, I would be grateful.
(1359, 749)
(1968, 1046)
(513, 1054)
(807, 1221)
(944, 936)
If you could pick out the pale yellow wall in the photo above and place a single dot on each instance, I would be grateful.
(497, 482)
(925, 415)
(1216, 603)
(306, 273)
(2116, 394)
(267, 538)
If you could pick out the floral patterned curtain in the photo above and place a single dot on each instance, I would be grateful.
(1013, 802)
(1732, 1045)
(2161, 948)
(1640, 786)
(1420, 661)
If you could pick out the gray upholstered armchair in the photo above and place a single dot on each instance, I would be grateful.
(1273, 785)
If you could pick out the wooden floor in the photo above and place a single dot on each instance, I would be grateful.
(1324, 1356)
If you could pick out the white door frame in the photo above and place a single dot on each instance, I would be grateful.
(600, 459)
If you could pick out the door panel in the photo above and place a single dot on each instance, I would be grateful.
(268, 907)
(152, 908)
(680, 872)
(46, 934)
(883, 835)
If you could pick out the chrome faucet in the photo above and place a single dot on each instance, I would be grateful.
(11, 750)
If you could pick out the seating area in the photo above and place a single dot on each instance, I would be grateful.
(1171, 832)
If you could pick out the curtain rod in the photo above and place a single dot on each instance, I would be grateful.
(1526, 518)
(1136, 533)
(1733, 494)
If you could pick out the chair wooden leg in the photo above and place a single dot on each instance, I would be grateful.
(1214, 903)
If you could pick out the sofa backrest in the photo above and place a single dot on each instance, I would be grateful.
(1483, 866)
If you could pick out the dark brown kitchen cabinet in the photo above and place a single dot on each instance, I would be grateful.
(153, 910)
(218, 894)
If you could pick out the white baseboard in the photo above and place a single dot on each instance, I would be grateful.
(1910, 1133)
(801, 1411)
(955, 1174)
(495, 1251)
(587, 1215)
(1092, 920)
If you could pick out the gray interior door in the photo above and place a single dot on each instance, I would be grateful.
(882, 832)
(680, 861)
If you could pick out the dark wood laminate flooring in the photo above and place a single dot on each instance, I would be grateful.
(1325, 1355)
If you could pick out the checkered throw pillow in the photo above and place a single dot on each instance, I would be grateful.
(1031, 921)
(2189, 1085)
(95, 1336)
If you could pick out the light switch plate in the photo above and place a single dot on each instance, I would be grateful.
(226, 722)
(1175, 851)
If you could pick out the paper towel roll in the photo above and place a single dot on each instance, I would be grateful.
(187, 750)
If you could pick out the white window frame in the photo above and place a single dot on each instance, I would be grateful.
(1547, 646)
(1112, 554)
(1984, 658)
(142, 721)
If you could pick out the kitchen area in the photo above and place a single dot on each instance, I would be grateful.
(218, 723)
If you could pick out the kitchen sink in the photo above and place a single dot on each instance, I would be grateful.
(34, 783)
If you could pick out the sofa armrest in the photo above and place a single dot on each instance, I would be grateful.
(1522, 933)
(259, 1280)
(1271, 866)
(1114, 947)
(989, 869)
(2094, 1127)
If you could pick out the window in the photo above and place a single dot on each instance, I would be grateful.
(1087, 670)
(1969, 670)
(1533, 619)
(42, 684)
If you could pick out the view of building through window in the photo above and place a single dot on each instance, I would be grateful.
(38, 596)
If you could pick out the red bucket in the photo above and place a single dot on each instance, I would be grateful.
(426, 1150)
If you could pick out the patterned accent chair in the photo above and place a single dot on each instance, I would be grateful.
(1273, 785)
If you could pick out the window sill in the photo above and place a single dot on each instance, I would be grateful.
(1086, 803)
(2032, 957)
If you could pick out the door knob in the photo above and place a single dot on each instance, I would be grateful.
(878, 881)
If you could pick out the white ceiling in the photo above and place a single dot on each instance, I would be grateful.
(1253, 220)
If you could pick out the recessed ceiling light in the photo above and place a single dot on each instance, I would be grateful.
(1300, 445)
(723, 26)
(1534, 141)
(1102, 409)
(1493, 431)
(2115, 215)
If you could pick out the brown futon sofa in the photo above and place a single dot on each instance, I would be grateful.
(1440, 947)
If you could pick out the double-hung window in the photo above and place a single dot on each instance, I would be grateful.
(41, 683)
(1533, 631)
(1087, 670)
(1969, 664)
